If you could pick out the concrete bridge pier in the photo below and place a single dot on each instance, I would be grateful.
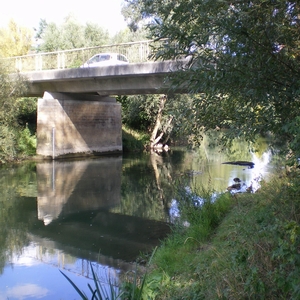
(78, 124)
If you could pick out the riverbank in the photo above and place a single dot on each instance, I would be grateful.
(240, 247)
(133, 141)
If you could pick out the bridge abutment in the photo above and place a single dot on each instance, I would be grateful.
(78, 124)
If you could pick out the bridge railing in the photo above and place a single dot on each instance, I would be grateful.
(134, 51)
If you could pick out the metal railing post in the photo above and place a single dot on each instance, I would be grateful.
(19, 64)
(38, 62)
(63, 61)
(58, 60)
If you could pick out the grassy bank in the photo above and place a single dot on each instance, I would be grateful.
(243, 247)
(133, 140)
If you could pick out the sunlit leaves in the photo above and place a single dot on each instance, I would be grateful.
(15, 40)
(71, 34)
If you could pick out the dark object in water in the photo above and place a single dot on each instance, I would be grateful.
(250, 164)
(236, 185)
(237, 179)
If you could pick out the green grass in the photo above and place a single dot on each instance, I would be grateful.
(98, 292)
(133, 140)
(244, 247)
(133, 289)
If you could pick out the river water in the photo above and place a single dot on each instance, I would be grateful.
(64, 215)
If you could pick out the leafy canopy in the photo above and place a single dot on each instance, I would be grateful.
(15, 40)
(244, 62)
(69, 35)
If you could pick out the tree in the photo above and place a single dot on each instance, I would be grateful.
(157, 114)
(94, 35)
(10, 129)
(71, 34)
(133, 14)
(243, 62)
(164, 116)
(126, 35)
(41, 29)
(15, 40)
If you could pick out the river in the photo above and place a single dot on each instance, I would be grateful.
(64, 215)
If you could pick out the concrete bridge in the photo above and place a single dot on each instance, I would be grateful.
(129, 79)
(78, 115)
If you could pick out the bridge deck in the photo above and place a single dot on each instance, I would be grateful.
(131, 79)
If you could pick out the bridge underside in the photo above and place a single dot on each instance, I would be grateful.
(73, 125)
(131, 79)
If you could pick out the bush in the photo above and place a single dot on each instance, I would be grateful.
(10, 111)
(7, 143)
(27, 142)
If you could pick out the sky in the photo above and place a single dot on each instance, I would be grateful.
(106, 13)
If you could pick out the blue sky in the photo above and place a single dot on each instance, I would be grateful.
(106, 13)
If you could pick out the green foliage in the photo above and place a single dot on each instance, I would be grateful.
(132, 290)
(132, 14)
(40, 31)
(243, 62)
(16, 142)
(27, 113)
(71, 34)
(292, 130)
(27, 142)
(94, 35)
(133, 111)
(26, 138)
(140, 288)
(126, 35)
(140, 112)
(7, 144)
(128, 290)
(98, 291)
(12, 111)
(15, 116)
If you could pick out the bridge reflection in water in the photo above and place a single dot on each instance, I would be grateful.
(68, 215)
(68, 187)
(74, 201)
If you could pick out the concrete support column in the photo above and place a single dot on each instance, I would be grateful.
(76, 125)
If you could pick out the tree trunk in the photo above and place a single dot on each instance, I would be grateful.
(154, 139)
(168, 135)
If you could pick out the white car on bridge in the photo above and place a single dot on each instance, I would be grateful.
(106, 59)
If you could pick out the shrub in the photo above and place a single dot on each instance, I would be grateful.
(27, 142)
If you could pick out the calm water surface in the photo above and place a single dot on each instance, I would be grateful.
(64, 215)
